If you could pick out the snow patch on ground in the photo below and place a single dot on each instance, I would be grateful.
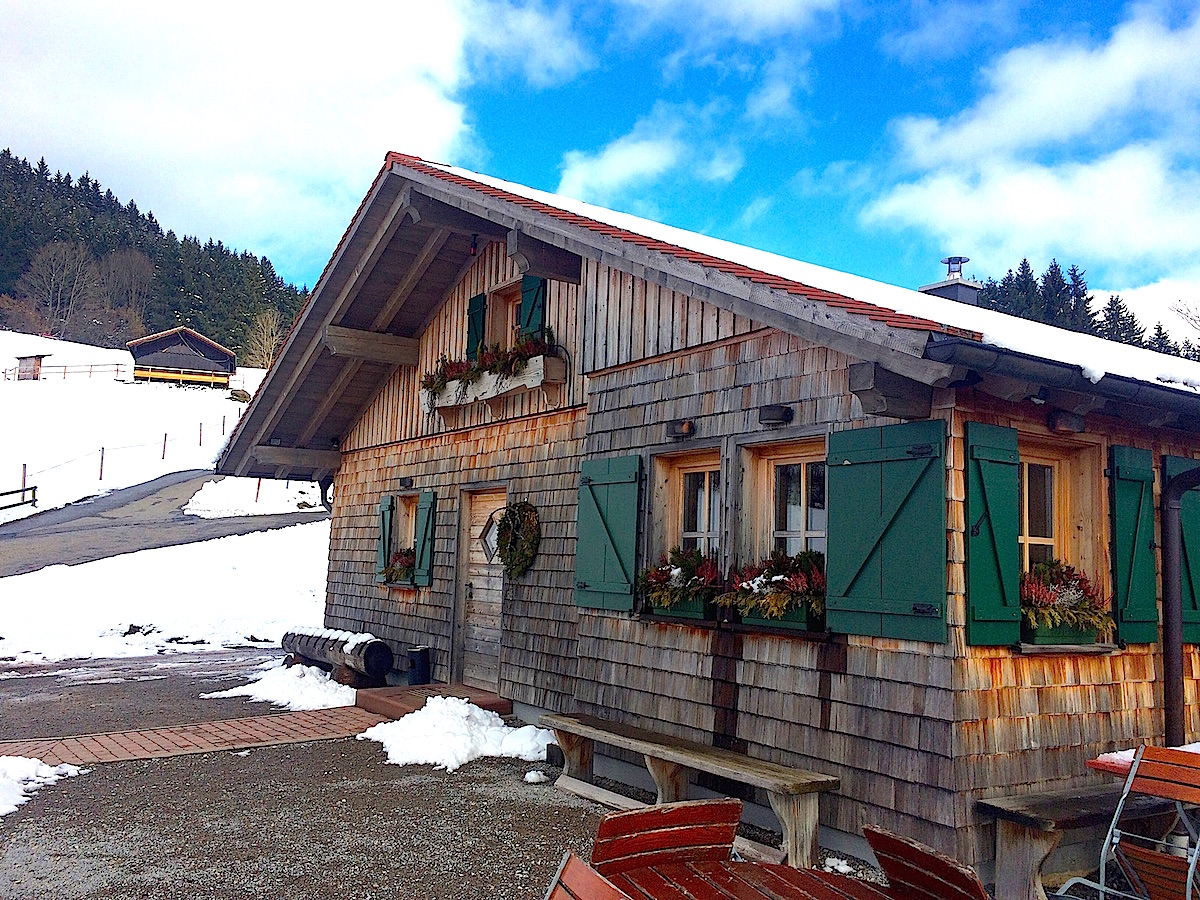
(536, 777)
(292, 687)
(21, 777)
(448, 732)
(232, 496)
(205, 595)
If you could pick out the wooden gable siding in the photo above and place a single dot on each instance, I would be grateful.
(877, 713)
(538, 460)
(622, 318)
(1029, 721)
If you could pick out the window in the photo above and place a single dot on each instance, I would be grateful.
(785, 493)
(503, 317)
(688, 494)
(1037, 511)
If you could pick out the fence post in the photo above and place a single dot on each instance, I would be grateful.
(164, 445)
(222, 426)
(201, 434)
(257, 489)
(24, 466)
(101, 464)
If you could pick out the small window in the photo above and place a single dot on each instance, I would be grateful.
(405, 517)
(687, 503)
(785, 499)
(1037, 513)
(504, 317)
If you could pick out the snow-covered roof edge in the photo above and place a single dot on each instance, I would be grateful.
(1094, 356)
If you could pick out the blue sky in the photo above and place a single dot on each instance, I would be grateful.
(870, 137)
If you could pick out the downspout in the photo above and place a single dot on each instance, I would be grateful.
(1170, 503)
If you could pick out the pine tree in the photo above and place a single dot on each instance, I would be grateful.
(1054, 296)
(1161, 342)
(1118, 323)
(1079, 315)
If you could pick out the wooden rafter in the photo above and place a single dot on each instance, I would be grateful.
(371, 346)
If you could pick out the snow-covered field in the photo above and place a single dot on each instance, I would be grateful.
(76, 437)
(219, 499)
(232, 591)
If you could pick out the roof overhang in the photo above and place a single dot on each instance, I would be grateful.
(410, 243)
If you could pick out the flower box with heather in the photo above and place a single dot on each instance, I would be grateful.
(401, 567)
(495, 374)
(683, 583)
(1060, 605)
(781, 590)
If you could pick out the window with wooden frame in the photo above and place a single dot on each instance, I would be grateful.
(503, 316)
(688, 492)
(785, 498)
(1060, 503)
(1039, 509)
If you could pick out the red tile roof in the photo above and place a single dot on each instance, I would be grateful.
(876, 313)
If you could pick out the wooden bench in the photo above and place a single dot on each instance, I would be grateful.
(1030, 826)
(793, 792)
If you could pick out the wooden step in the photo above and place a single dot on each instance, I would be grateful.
(394, 702)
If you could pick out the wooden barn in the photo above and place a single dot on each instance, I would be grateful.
(183, 356)
(681, 391)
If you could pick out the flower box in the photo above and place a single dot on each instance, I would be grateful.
(549, 373)
(794, 619)
(1057, 634)
(696, 608)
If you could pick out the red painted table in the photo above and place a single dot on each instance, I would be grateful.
(742, 880)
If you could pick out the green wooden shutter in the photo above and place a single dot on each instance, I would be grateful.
(886, 565)
(606, 548)
(993, 555)
(1189, 566)
(423, 531)
(533, 306)
(1135, 584)
(476, 314)
(384, 548)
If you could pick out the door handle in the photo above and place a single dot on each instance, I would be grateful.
(470, 591)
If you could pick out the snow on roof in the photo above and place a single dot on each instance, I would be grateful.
(1095, 356)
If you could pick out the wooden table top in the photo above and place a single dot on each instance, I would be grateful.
(741, 880)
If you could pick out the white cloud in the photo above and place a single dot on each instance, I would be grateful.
(629, 160)
(942, 30)
(538, 40)
(724, 165)
(744, 20)
(262, 128)
(1156, 302)
(772, 99)
(1086, 153)
(755, 210)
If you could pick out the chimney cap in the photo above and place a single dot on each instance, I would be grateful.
(954, 265)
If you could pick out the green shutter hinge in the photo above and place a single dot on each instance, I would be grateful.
(920, 450)
(582, 585)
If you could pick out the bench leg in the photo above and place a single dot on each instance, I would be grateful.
(671, 779)
(577, 755)
(799, 817)
(1020, 852)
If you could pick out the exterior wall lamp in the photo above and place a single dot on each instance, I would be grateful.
(681, 428)
(775, 414)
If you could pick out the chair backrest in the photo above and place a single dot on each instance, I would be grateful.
(916, 871)
(1163, 876)
(698, 830)
(1174, 774)
(576, 880)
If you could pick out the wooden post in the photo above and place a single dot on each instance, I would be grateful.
(222, 426)
(201, 434)
(797, 814)
(101, 464)
(257, 489)
(577, 755)
(671, 779)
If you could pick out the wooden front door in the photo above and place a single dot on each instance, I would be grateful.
(481, 586)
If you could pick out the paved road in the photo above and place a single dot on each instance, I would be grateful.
(136, 518)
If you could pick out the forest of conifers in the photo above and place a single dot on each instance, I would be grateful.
(78, 264)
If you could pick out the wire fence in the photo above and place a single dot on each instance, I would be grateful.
(114, 371)
(124, 372)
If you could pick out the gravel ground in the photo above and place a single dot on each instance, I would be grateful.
(304, 821)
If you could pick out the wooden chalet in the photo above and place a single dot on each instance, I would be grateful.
(183, 356)
(698, 393)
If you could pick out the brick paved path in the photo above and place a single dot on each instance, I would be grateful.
(203, 737)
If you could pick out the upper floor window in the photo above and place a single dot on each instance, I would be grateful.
(1037, 511)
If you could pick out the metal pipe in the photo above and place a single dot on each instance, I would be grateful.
(1170, 504)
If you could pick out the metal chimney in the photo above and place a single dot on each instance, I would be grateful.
(955, 286)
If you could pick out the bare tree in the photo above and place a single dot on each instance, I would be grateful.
(126, 276)
(1187, 312)
(60, 281)
(266, 334)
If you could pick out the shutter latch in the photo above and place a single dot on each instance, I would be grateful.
(924, 609)
(582, 585)
(586, 479)
(975, 527)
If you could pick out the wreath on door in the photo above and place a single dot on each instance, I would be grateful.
(519, 533)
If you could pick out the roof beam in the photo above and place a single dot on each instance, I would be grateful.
(428, 211)
(329, 401)
(379, 240)
(534, 257)
(371, 346)
(297, 457)
(885, 393)
(399, 296)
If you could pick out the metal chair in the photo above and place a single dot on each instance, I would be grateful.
(1156, 867)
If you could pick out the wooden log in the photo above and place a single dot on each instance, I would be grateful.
(372, 658)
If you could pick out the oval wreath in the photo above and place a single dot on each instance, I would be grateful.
(519, 533)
